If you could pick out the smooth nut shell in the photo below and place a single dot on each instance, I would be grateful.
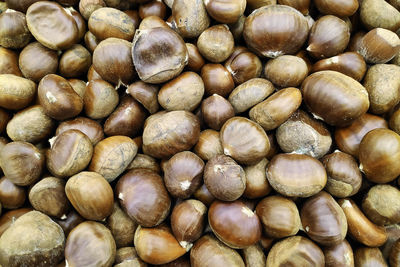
(145, 94)
(296, 175)
(90, 128)
(190, 17)
(340, 254)
(256, 180)
(209, 144)
(286, 71)
(16, 92)
(11, 196)
(216, 43)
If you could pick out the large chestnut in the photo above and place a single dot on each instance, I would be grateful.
(91, 195)
(143, 196)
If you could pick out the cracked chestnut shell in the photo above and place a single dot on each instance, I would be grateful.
(159, 54)
(275, 30)
(143, 196)
(234, 223)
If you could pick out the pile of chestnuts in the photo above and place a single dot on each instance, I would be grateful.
(204, 133)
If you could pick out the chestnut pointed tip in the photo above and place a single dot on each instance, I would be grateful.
(186, 245)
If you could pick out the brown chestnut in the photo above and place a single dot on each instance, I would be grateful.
(183, 173)
(234, 223)
(286, 71)
(243, 65)
(145, 94)
(100, 99)
(143, 196)
(341, 8)
(188, 221)
(91, 195)
(209, 145)
(244, 140)
(90, 243)
(340, 254)
(142, 161)
(216, 110)
(344, 177)
(87, 7)
(90, 128)
(365, 256)
(153, 8)
(9, 62)
(256, 180)
(112, 155)
(217, 80)
(224, 178)
(75, 62)
(122, 227)
(21, 162)
(279, 216)
(379, 155)
(296, 175)
(216, 43)
(159, 54)
(225, 11)
(170, 133)
(14, 31)
(334, 97)
(11, 196)
(16, 92)
(70, 221)
(70, 153)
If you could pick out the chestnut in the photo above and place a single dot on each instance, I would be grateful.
(350, 63)
(111, 156)
(295, 251)
(277, 108)
(323, 220)
(143, 196)
(300, 5)
(382, 204)
(100, 99)
(91, 41)
(279, 216)
(69, 221)
(32, 240)
(304, 135)
(48, 196)
(365, 256)
(157, 245)
(142, 161)
(21, 162)
(195, 61)
(112, 60)
(225, 11)
(209, 144)
(275, 30)
(341, 8)
(216, 43)
(87, 7)
(23, 126)
(79, 20)
(244, 140)
(122, 227)
(90, 243)
(52, 25)
(250, 93)
(204, 195)
(224, 178)
(381, 84)
(222, 255)
(379, 14)
(344, 177)
(151, 22)
(127, 119)
(145, 94)
(19, 5)
(107, 22)
(170, 133)
(75, 61)
(379, 155)
(393, 232)
(8, 218)
(359, 227)
(394, 258)
(296, 175)
(14, 31)
(70, 153)
(36, 61)
(185, 92)
(189, 17)
(79, 86)
(340, 254)
(348, 139)
(286, 71)
(254, 256)
(329, 36)
(183, 173)
(58, 99)
(243, 65)
(9, 62)
(188, 221)
(16, 92)
(217, 80)
(92, 129)
(153, 8)
(256, 180)
(128, 256)
(234, 223)
(216, 110)
(11, 196)
(334, 97)
(168, 54)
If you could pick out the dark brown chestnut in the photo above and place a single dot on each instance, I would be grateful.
(183, 174)
(340, 254)
(209, 145)
(9, 62)
(122, 227)
(234, 223)
(11, 196)
(100, 99)
(75, 62)
(256, 180)
(14, 32)
(216, 110)
(143, 196)
(217, 80)
(90, 128)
